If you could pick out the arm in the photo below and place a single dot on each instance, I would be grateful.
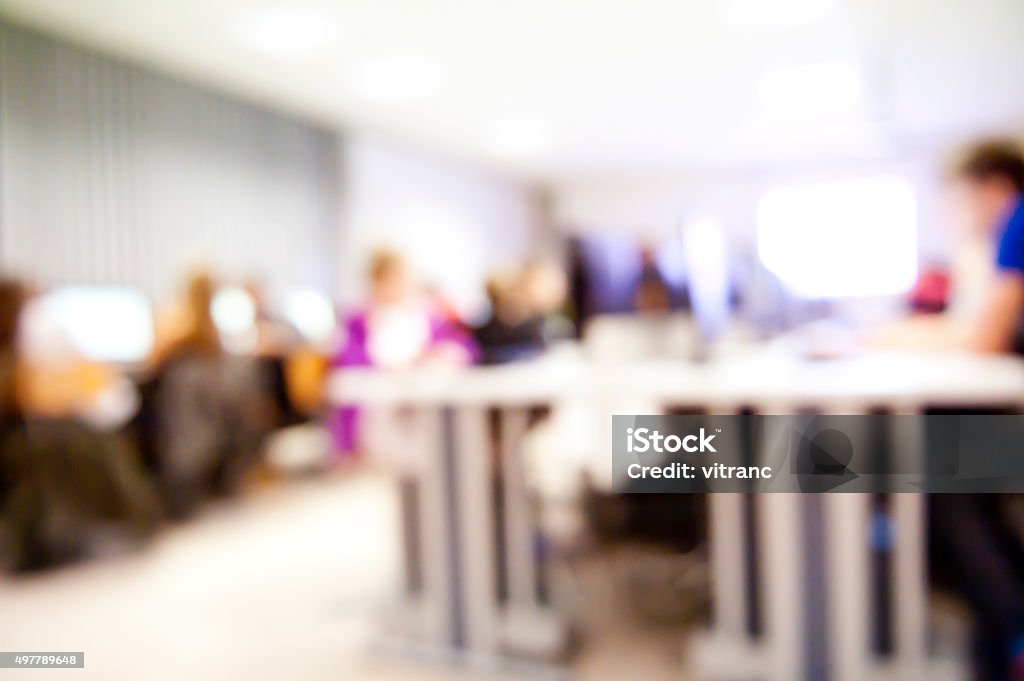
(992, 330)
(998, 321)
(450, 341)
(353, 351)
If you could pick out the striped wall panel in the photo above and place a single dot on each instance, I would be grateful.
(110, 173)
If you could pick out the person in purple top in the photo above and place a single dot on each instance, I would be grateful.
(398, 327)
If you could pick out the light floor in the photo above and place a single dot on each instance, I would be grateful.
(286, 584)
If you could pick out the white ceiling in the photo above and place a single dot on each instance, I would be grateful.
(588, 87)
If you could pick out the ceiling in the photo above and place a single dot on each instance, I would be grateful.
(568, 88)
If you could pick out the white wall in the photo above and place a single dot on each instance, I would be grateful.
(455, 223)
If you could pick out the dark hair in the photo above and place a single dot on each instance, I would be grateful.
(12, 300)
(993, 159)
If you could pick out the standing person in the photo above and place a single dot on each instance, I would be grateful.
(652, 293)
(397, 327)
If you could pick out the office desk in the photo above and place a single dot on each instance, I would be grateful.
(475, 591)
(812, 557)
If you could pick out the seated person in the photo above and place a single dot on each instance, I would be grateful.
(970, 534)
(989, 188)
(63, 484)
(512, 331)
(205, 413)
(525, 314)
(399, 326)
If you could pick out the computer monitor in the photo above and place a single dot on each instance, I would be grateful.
(110, 324)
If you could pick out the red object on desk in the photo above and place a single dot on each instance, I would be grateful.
(931, 292)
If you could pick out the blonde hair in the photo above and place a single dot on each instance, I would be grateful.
(202, 334)
(198, 332)
(383, 262)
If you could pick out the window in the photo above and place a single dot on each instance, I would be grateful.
(840, 239)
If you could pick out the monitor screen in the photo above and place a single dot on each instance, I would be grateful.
(100, 323)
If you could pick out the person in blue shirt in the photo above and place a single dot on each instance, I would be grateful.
(973, 541)
(991, 181)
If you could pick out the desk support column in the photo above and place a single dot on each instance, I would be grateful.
(518, 529)
(779, 524)
(848, 567)
(438, 604)
(729, 562)
(909, 570)
(848, 571)
(475, 522)
(780, 521)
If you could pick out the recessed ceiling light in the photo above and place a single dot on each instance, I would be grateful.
(759, 14)
(813, 90)
(387, 80)
(284, 31)
(515, 138)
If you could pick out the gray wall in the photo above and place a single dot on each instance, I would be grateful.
(110, 173)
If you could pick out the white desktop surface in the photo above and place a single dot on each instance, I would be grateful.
(758, 376)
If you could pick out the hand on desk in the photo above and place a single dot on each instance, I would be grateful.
(445, 354)
(920, 333)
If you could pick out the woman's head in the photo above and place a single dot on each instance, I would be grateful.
(391, 279)
(544, 287)
(202, 332)
(199, 292)
(506, 296)
(989, 179)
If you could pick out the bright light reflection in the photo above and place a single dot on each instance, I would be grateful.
(841, 239)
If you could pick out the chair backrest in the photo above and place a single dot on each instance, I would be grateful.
(206, 406)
